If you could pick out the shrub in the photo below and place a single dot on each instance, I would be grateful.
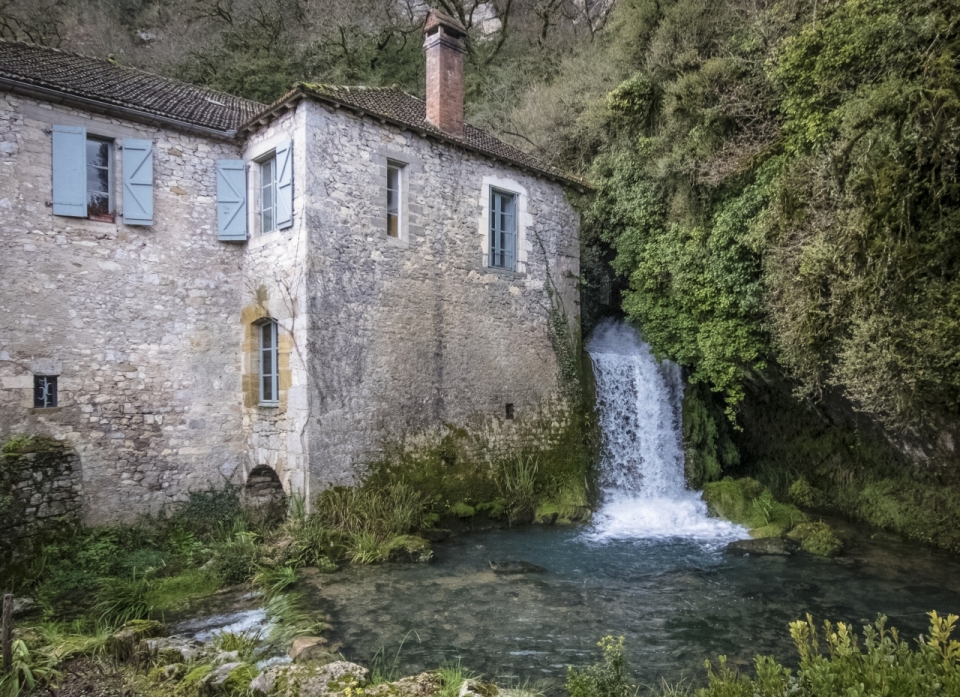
(817, 538)
(803, 494)
(235, 554)
(608, 678)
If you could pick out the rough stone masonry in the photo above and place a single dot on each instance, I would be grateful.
(153, 332)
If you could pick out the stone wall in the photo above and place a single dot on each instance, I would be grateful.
(413, 336)
(141, 324)
(37, 488)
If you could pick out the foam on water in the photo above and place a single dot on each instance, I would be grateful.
(643, 492)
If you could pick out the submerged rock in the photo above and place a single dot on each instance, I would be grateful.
(308, 680)
(766, 546)
(409, 548)
(311, 648)
(475, 688)
(515, 567)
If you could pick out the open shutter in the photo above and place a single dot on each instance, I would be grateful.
(284, 184)
(70, 171)
(137, 182)
(231, 200)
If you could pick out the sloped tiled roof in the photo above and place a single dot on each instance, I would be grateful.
(96, 82)
(403, 109)
(120, 86)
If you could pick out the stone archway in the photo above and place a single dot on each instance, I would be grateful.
(263, 493)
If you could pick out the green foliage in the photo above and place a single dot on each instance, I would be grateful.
(462, 510)
(605, 679)
(519, 483)
(244, 643)
(451, 677)
(802, 494)
(235, 553)
(274, 580)
(24, 443)
(205, 512)
(708, 447)
(817, 538)
(121, 599)
(28, 670)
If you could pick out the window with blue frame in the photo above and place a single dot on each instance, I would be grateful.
(503, 229)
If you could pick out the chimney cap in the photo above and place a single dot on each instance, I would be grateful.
(435, 19)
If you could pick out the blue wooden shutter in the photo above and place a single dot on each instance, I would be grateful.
(231, 200)
(284, 185)
(137, 182)
(70, 171)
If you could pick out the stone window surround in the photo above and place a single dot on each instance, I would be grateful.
(253, 156)
(409, 188)
(524, 220)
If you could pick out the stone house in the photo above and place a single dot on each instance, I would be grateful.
(196, 288)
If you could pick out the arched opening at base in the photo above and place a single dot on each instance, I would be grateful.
(263, 493)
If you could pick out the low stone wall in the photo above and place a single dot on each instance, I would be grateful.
(36, 488)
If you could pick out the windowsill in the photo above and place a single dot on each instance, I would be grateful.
(45, 410)
(395, 241)
(506, 273)
(269, 405)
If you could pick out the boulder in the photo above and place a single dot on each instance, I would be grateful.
(766, 546)
(521, 516)
(168, 650)
(224, 657)
(509, 568)
(308, 680)
(123, 644)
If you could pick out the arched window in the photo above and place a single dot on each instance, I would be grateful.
(267, 355)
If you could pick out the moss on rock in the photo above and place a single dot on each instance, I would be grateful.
(747, 502)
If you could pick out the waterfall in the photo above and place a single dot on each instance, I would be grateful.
(641, 478)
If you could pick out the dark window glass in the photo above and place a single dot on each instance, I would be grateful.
(44, 391)
(393, 200)
(98, 179)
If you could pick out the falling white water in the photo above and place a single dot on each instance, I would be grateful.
(643, 491)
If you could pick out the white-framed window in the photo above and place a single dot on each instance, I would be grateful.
(268, 193)
(267, 364)
(100, 179)
(395, 174)
(503, 229)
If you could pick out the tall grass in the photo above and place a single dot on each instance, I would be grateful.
(452, 676)
(120, 599)
(518, 482)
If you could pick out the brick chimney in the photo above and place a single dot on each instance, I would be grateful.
(444, 46)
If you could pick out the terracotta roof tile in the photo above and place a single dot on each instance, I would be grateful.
(117, 85)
